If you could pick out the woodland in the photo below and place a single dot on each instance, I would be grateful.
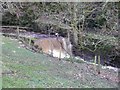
(91, 27)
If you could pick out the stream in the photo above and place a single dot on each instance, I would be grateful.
(105, 59)
(86, 55)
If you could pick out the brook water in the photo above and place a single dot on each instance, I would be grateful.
(86, 55)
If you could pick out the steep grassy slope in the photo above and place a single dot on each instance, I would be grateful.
(26, 69)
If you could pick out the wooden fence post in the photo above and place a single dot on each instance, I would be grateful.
(98, 69)
(95, 60)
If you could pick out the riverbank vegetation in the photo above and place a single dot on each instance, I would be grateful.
(91, 27)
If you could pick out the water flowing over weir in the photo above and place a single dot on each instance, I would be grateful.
(57, 47)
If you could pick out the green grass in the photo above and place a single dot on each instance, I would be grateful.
(29, 69)
(0, 83)
(26, 69)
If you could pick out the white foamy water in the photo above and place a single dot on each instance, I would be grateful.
(103, 67)
(58, 54)
(110, 67)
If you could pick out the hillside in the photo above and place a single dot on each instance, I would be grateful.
(26, 69)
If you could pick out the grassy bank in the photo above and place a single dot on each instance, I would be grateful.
(26, 69)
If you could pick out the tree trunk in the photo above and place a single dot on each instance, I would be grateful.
(75, 30)
(18, 32)
(68, 35)
(75, 37)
